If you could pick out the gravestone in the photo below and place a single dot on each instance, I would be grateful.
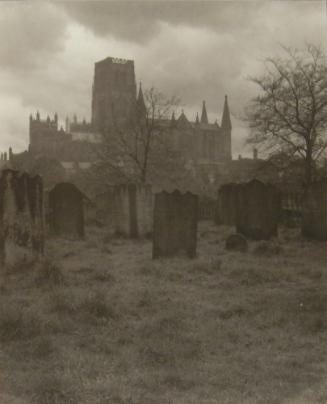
(227, 204)
(175, 224)
(258, 210)
(104, 203)
(133, 210)
(66, 210)
(21, 217)
(314, 211)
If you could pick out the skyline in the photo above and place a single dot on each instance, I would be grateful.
(196, 51)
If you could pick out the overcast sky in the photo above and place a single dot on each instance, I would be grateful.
(195, 50)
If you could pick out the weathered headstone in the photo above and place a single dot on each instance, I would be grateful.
(227, 204)
(66, 210)
(236, 242)
(21, 217)
(258, 210)
(314, 211)
(175, 224)
(133, 210)
(104, 203)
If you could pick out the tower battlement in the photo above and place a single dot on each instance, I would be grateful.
(46, 123)
(75, 125)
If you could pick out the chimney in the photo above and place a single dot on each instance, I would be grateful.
(255, 153)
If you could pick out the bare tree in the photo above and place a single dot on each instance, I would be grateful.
(141, 150)
(290, 113)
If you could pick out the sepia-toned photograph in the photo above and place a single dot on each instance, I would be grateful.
(163, 202)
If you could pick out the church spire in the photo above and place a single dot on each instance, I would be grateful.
(204, 116)
(141, 108)
(225, 120)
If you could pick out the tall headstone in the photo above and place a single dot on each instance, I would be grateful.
(104, 203)
(175, 224)
(21, 217)
(258, 210)
(314, 211)
(66, 210)
(133, 210)
(227, 204)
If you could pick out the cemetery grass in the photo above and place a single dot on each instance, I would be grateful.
(100, 322)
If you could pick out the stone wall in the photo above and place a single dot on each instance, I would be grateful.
(21, 217)
(175, 224)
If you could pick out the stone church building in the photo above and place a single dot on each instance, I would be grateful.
(115, 100)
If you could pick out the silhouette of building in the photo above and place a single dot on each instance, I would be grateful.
(114, 103)
(113, 93)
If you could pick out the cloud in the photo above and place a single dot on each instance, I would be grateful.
(31, 32)
(196, 50)
(139, 21)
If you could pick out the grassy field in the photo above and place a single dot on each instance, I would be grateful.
(100, 322)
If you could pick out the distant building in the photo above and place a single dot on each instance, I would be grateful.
(115, 102)
(113, 93)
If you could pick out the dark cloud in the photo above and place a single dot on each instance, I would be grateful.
(139, 21)
(196, 50)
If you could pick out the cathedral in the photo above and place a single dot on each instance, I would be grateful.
(114, 101)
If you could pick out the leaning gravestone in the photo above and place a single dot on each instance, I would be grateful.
(66, 210)
(314, 211)
(133, 210)
(21, 217)
(227, 204)
(175, 224)
(258, 210)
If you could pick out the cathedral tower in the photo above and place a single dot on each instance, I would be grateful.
(114, 93)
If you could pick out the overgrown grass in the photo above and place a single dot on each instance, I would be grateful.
(100, 322)
(17, 322)
(48, 273)
(53, 389)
